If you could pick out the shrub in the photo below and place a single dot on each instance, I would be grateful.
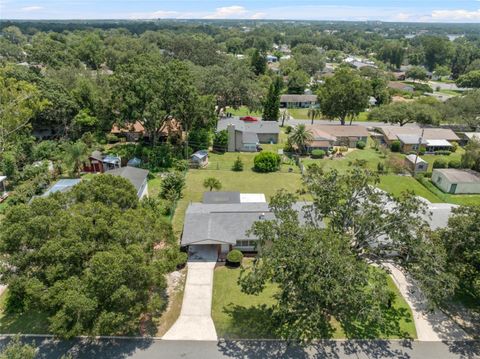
(234, 257)
(454, 146)
(395, 146)
(361, 145)
(455, 164)
(380, 167)
(443, 153)
(440, 163)
(318, 154)
(237, 165)
(288, 129)
(343, 149)
(172, 186)
(422, 151)
(267, 162)
(111, 138)
(395, 164)
(181, 165)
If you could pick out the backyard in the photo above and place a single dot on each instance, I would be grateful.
(240, 316)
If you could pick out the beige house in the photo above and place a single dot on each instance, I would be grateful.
(337, 135)
(456, 181)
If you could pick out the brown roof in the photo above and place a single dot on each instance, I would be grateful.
(130, 127)
(392, 132)
(320, 143)
(341, 131)
(400, 86)
(320, 135)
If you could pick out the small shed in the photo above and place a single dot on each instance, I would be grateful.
(421, 165)
(456, 181)
(199, 158)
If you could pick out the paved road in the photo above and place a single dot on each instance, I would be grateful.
(145, 348)
(195, 320)
(430, 326)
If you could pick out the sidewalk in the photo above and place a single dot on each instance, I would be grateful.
(431, 326)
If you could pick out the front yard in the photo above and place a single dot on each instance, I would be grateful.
(240, 316)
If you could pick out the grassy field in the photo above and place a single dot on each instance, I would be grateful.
(397, 184)
(430, 158)
(244, 111)
(238, 315)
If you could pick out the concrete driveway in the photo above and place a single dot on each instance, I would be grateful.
(431, 326)
(195, 320)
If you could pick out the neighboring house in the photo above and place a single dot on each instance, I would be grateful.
(359, 63)
(137, 176)
(298, 101)
(246, 136)
(469, 136)
(62, 185)
(98, 163)
(421, 165)
(451, 180)
(131, 131)
(337, 135)
(199, 159)
(433, 139)
(271, 58)
(400, 86)
(223, 219)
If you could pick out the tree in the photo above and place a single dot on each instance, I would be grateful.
(464, 110)
(258, 63)
(318, 277)
(220, 141)
(402, 113)
(470, 79)
(85, 261)
(271, 106)
(16, 350)
(392, 52)
(441, 71)
(20, 101)
(437, 50)
(172, 186)
(285, 116)
(471, 157)
(297, 82)
(300, 137)
(463, 55)
(461, 240)
(308, 58)
(237, 165)
(91, 50)
(313, 113)
(76, 154)
(212, 183)
(344, 95)
(416, 73)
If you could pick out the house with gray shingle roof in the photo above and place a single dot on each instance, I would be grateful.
(137, 176)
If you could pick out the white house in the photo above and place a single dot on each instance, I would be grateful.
(421, 166)
(451, 180)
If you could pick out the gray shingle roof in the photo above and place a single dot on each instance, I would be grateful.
(223, 223)
(298, 98)
(221, 197)
(255, 127)
(249, 137)
(135, 175)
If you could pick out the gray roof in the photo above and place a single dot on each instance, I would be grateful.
(136, 176)
(298, 98)
(223, 223)
(412, 157)
(439, 214)
(249, 137)
(62, 185)
(459, 176)
(200, 154)
(254, 127)
(411, 139)
(221, 197)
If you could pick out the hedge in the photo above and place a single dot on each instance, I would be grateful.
(318, 154)
(267, 162)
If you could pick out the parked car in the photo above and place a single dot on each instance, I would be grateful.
(248, 119)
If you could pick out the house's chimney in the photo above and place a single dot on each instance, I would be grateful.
(231, 138)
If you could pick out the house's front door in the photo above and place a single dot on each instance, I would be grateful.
(453, 188)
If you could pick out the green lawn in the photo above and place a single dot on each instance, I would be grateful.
(244, 111)
(430, 158)
(237, 315)
(397, 184)
(154, 186)
(29, 322)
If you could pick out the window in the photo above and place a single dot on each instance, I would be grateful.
(245, 243)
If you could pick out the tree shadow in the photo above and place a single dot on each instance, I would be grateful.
(84, 348)
(464, 348)
(250, 322)
(388, 327)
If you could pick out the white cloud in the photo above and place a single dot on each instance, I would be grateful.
(31, 8)
(228, 12)
(160, 14)
(456, 15)
(261, 15)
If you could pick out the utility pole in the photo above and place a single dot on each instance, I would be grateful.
(420, 140)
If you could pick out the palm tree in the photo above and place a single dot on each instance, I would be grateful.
(212, 183)
(76, 154)
(300, 137)
(313, 113)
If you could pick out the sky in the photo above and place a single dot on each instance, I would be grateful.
(353, 10)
